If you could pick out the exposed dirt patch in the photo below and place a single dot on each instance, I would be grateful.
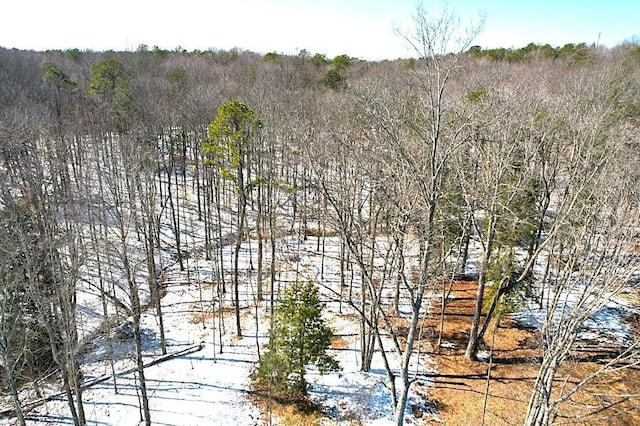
(461, 385)
(339, 342)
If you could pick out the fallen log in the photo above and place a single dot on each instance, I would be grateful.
(10, 412)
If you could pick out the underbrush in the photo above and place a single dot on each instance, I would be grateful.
(288, 409)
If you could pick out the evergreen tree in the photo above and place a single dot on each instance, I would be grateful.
(299, 337)
(228, 150)
(111, 85)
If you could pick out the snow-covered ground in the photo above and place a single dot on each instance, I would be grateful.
(211, 386)
(600, 302)
(209, 383)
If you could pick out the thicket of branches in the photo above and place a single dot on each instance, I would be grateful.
(533, 162)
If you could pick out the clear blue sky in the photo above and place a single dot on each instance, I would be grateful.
(359, 28)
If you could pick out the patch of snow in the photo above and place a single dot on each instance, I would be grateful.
(448, 345)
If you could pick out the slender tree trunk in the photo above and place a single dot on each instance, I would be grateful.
(242, 215)
(12, 383)
(154, 287)
(474, 342)
(196, 178)
(220, 245)
(414, 327)
(67, 390)
(174, 217)
(95, 235)
(538, 412)
(466, 240)
(136, 310)
(502, 289)
(208, 212)
(272, 241)
(140, 365)
(259, 226)
(400, 271)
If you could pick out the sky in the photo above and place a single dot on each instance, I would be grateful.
(364, 29)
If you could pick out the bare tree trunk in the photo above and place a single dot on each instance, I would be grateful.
(488, 383)
(259, 231)
(474, 341)
(13, 388)
(9, 365)
(416, 307)
(272, 242)
(136, 311)
(538, 411)
(400, 273)
(220, 245)
(169, 169)
(96, 234)
(242, 217)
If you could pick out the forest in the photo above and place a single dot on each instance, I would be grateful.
(503, 179)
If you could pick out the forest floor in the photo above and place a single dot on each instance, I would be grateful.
(210, 385)
(461, 385)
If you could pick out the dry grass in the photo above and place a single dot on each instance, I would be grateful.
(339, 342)
(288, 410)
(201, 317)
(319, 232)
(460, 387)
(291, 415)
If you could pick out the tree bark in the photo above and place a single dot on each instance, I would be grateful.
(474, 341)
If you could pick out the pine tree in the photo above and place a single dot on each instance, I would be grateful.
(299, 337)
(228, 149)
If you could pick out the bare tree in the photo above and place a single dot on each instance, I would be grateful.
(16, 337)
(438, 42)
(592, 256)
(126, 161)
(228, 148)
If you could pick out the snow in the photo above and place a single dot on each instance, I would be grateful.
(608, 324)
(483, 355)
(207, 387)
(203, 387)
(212, 385)
(448, 345)
(351, 394)
(189, 390)
(606, 319)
